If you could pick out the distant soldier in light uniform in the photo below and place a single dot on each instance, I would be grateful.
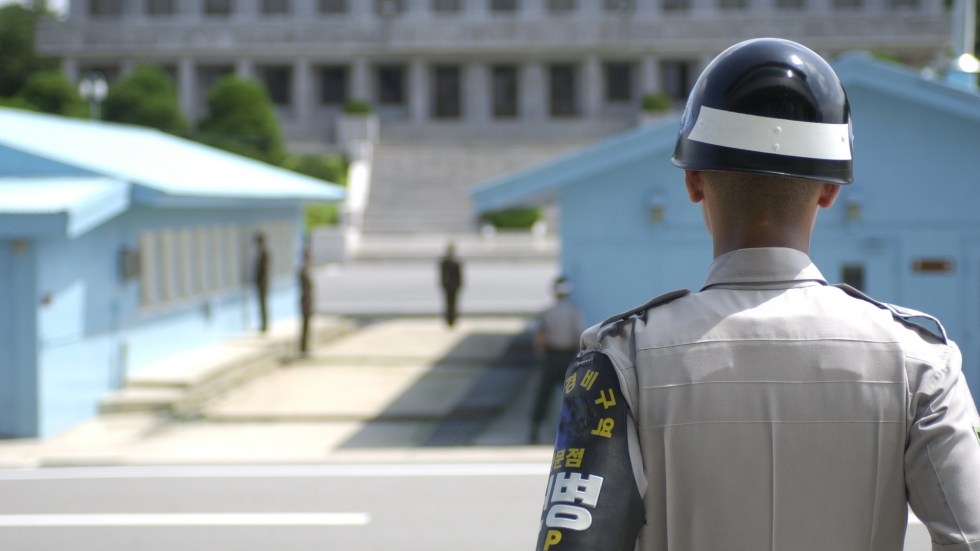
(771, 410)
(556, 339)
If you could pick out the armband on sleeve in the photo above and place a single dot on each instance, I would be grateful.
(592, 501)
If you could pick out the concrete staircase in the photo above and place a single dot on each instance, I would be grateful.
(423, 187)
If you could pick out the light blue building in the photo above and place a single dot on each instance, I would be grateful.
(907, 231)
(120, 246)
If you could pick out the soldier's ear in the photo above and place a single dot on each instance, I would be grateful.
(694, 180)
(828, 194)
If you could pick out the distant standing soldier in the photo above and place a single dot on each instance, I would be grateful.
(305, 302)
(451, 279)
(556, 340)
(262, 279)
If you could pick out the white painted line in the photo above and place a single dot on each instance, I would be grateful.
(183, 519)
(279, 471)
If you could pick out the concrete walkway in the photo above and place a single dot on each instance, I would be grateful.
(389, 391)
(386, 381)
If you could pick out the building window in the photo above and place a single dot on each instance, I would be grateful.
(731, 5)
(503, 5)
(161, 7)
(673, 6)
(562, 6)
(618, 6)
(217, 7)
(332, 6)
(790, 4)
(105, 8)
(619, 82)
(447, 94)
(446, 6)
(333, 85)
(676, 78)
(275, 7)
(853, 275)
(389, 8)
(562, 90)
(278, 81)
(505, 92)
(848, 4)
(390, 85)
(148, 265)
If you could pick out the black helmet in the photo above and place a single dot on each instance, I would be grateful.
(768, 105)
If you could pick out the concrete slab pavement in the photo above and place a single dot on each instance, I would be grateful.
(376, 394)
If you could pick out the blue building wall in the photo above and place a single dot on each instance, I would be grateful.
(92, 328)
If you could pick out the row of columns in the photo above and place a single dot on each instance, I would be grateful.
(476, 87)
(365, 10)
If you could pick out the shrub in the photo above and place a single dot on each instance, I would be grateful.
(658, 102)
(52, 92)
(357, 107)
(521, 218)
(331, 168)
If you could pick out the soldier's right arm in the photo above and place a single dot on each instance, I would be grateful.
(592, 500)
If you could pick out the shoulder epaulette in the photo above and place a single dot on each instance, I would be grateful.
(641, 311)
(907, 316)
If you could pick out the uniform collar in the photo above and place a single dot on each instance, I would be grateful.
(763, 267)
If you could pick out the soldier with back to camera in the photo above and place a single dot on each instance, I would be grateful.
(770, 410)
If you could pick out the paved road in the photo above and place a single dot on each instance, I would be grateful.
(417, 507)
(379, 288)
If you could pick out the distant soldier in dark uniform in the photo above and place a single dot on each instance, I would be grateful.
(262, 279)
(305, 302)
(451, 279)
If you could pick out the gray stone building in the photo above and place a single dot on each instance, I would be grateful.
(459, 70)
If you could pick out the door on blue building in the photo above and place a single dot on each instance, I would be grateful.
(18, 379)
(868, 265)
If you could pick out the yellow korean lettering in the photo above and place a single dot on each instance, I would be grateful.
(570, 383)
(605, 428)
(574, 457)
(559, 459)
(589, 379)
(607, 401)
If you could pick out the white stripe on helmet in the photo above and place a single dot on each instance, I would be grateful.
(811, 140)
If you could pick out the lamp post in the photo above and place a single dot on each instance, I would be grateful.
(963, 69)
(93, 88)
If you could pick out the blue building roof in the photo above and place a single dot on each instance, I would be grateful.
(162, 169)
(540, 184)
(58, 205)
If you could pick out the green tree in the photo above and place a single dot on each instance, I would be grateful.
(241, 119)
(52, 92)
(331, 168)
(146, 97)
(18, 59)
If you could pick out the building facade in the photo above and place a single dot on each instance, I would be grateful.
(458, 69)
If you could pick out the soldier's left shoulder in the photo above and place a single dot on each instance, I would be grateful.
(919, 321)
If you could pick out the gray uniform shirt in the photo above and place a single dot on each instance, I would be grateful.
(561, 325)
(773, 411)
